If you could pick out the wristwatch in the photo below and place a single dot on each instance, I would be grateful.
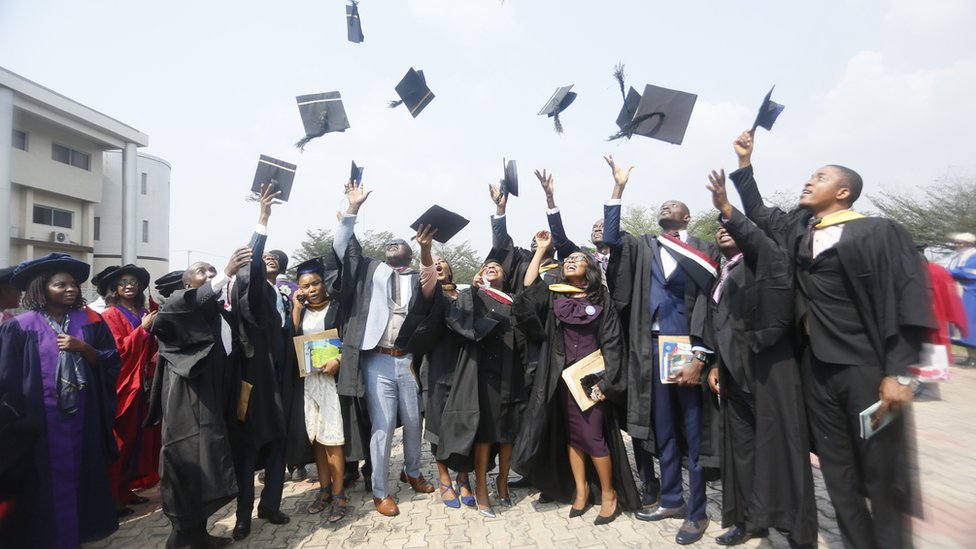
(701, 356)
(903, 380)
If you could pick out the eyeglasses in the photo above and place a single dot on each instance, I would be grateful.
(575, 259)
(126, 283)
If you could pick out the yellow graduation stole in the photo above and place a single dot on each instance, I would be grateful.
(565, 289)
(837, 218)
(548, 267)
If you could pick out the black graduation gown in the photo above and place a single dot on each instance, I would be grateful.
(540, 453)
(629, 276)
(888, 283)
(194, 395)
(758, 300)
(263, 352)
(29, 524)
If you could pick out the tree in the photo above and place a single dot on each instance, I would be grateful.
(704, 224)
(933, 212)
(638, 220)
(463, 259)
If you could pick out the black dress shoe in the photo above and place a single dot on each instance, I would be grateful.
(691, 531)
(601, 520)
(738, 534)
(545, 498)
(274, 517)
(213, 542)
(574, 512)
(125, 511)
(138, 500)
(241, 530)
(660, 513)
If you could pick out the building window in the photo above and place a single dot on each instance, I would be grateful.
(145, 180)
(70, 156)
(145, 231)
(20, 140)
(44, 215)
(97, 228)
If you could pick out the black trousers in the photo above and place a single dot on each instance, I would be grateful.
(741, 409)
(857, 470)
(274, 479)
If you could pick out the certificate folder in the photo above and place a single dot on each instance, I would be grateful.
(573, 376)
(315, 350)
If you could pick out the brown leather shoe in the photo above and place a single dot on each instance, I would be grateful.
(386, 506)
(419, 484)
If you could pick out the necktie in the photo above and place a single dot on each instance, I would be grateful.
(807, 242)
(395, 286)
(723, 280)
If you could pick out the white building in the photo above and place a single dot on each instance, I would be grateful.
(54, 171)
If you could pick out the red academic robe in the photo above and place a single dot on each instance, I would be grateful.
(139, 447)
(947, 305)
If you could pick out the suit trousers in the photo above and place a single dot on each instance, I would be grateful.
(391, 387)
(853, 468)
(741, 409)
(274, 478)
(678, 410)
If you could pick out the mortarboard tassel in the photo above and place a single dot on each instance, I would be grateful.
(556, 122)
(394, 104)
(618, 73)
(323, 129)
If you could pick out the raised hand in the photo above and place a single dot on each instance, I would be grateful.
(478, 278)
(543, 241)
(425, 237)
(548, 187)
(240, 257)
(720, 198)
(499, 198)
(621, 176)
(356, 195)
(743, 146)
(268, 198)
(147, 320)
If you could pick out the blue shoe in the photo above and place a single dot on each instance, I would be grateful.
(453, 503)
(468, 501)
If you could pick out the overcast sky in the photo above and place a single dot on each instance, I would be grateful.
(885, 87)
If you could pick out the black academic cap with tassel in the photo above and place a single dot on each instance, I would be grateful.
(321, 113)
(559, 102)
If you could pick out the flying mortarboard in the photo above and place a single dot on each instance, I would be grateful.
(445, 221)
(322, 113)
(768, 112)
(658, 113)
(559, 102)
(413, 92)
(280, 174)
(354, 26)
(509, 183)
(356, 173)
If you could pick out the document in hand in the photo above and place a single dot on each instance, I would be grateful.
(574, 374)
(674, 353)
(316, 350)
(871, 423)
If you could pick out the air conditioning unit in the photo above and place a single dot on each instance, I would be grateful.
(60, 237)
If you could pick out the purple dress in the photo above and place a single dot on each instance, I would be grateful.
(581, 338)
(72, 500)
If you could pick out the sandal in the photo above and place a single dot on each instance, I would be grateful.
(453, 503)
(321, 502)
(338, 510)
(466, 500)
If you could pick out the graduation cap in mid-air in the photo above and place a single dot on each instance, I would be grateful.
(445, 221)
(658, 113)
(413, 92)
(509, 183)
(559, 102)
(768, 112)
(322, 113)
(354, 26)
(280, 174)
(356, 173)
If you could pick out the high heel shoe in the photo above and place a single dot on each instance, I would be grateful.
(468, 501)
(574, 512)
(504, 500)
(453, 503)
(600, 519)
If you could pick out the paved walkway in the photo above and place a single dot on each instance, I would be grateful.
(947, 462)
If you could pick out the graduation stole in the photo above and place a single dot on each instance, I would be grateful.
(548, 267)
(565, 289)
(837, 218)
(697, 265)
(498, 295)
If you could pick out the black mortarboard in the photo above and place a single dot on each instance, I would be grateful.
(322, 113)
(661, 114)
(169, 283)
(445, 221)
(559, 101)
(354, 26)
(313, 265)
(97, 279)
(627, 111)
(5, 276)
(52, 262)
(413, 92)
(768, 112)
(279, 173)
(356, 173)
(105, 278)
(509, 183)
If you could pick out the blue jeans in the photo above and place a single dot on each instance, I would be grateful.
(391, 387)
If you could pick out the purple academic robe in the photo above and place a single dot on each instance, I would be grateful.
(68, 500)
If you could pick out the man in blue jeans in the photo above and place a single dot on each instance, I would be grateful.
(375, 297)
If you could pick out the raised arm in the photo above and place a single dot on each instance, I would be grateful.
(611, 210)
(543, 242)
(772, 220)
(356, 195)
(428, 274)
(560, 241)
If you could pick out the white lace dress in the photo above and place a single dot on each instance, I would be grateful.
(323, 418)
